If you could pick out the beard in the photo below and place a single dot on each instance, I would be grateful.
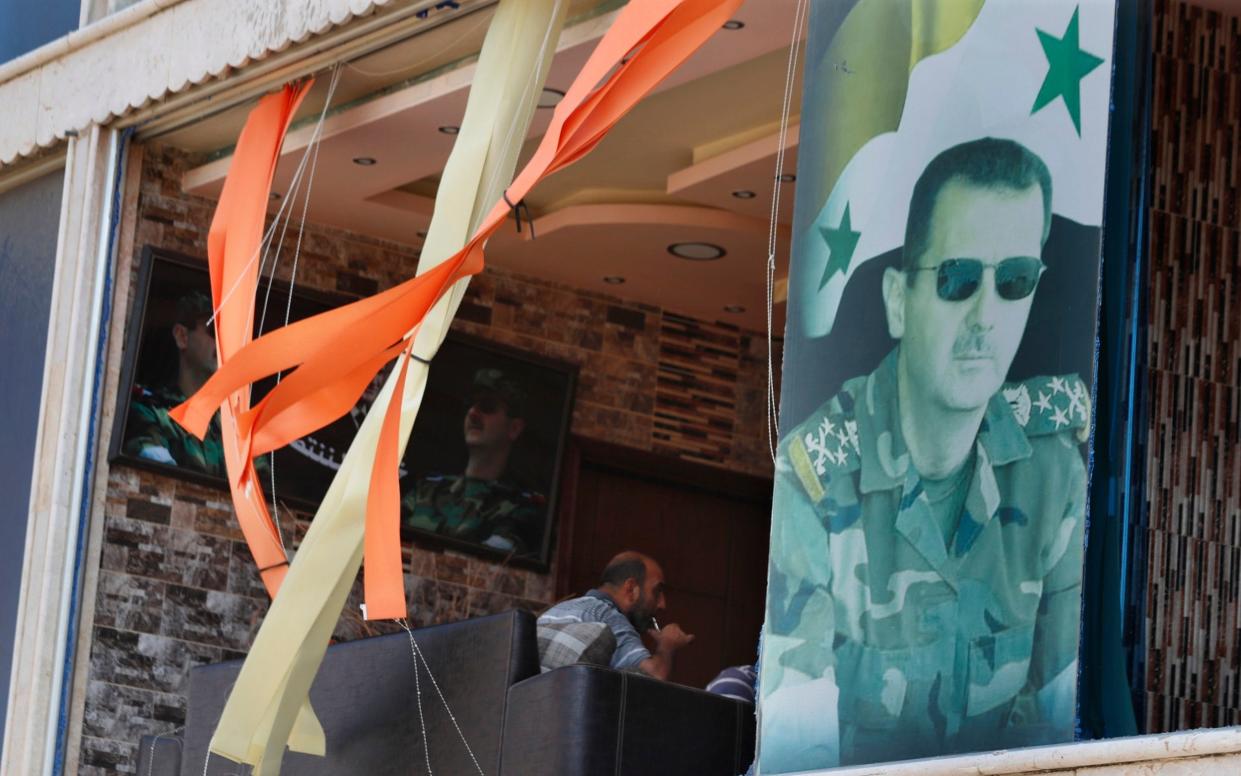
(641, 616)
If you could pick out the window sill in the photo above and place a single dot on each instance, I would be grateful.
(1138, 754)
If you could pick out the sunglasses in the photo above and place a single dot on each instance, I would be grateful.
(488, 405)
(959, 279)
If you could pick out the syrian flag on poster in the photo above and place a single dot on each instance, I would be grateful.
(1044, 84)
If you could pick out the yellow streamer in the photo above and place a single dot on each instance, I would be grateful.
(262, 712)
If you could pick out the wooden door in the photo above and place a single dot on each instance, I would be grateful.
(706, 527)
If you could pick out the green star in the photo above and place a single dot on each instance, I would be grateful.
(841, 243)
(1067, 65)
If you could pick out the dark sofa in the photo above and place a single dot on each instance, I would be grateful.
(575, 720)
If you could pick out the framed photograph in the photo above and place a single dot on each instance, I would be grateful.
(481, 469)
(170, 352)
(485, 456)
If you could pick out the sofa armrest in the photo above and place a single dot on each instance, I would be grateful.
(159, 755)
(595, 721)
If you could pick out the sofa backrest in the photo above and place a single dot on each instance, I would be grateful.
(364, 695)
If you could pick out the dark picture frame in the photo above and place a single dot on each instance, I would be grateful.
(437, 446)
(304, 470)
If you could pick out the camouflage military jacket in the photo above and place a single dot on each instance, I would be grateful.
(935, 649)
(152, 435)
(491, 512)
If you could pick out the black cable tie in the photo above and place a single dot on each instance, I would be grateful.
(265, 569)
(516, 211)
(529, 218)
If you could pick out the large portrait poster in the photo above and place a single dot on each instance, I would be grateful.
(927, 529)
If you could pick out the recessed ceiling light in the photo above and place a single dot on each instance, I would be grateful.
(733, 308)
(550, 97)
(449, 129)
(787, 177)
(733, 24)
(744, 194)
(364, 161)
(697, 251)
(613, 280)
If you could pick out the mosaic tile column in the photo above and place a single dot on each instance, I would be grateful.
(1194, 467)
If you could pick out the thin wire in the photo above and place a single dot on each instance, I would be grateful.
(422, 723)
(297, 175)
(773, 410)
(773, 417)
(313, 151)
(457, 40)
(413, 645)
(155, 739)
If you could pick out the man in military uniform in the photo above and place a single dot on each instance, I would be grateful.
(927, 548)
(149, 432)
(482, 505)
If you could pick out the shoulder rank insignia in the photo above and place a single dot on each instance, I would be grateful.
(825, 444)
(1049, 405)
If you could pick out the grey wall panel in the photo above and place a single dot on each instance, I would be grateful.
(29, 216)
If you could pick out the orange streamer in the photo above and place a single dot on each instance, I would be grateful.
(233, 244)
(336, 353)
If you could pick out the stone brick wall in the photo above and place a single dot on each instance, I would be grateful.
(1194, 469)
(176, 584)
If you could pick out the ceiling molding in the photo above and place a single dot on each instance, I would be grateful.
(755, 151)
(632, 215)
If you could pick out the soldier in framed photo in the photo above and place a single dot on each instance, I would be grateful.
(483, 504)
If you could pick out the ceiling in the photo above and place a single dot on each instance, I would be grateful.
(666, 174)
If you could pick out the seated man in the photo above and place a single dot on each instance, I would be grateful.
(630, 591)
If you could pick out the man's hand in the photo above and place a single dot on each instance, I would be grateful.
(669, 639)
(667, 642)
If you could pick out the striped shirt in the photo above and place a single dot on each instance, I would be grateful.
(597, 606)
(734, 682)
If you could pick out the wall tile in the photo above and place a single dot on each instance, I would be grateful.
(1193, 664)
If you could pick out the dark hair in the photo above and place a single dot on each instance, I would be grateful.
(989, 163)
(193, 308)
(618, 571)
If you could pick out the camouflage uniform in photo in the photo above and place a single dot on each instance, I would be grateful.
(936, 649)
(150, 431)
(475, 510)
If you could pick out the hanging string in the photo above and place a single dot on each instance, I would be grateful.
(773, 409)
(457, 39)
(261, 248)
(154, 740)
(790, 78)
(312, 153)
(312, 150)
(417, 654)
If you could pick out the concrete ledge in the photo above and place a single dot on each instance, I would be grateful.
(1189, 752)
